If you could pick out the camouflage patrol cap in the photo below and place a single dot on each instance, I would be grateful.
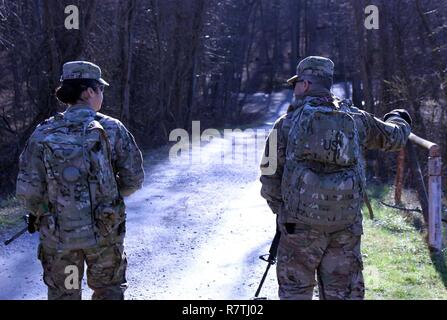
(82, 70)
(314, 67)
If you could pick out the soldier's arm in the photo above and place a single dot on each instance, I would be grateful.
(129, 163)
(272, 167)
(31, 187)
(389, 135)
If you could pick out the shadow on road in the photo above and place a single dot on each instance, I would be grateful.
(252, 271)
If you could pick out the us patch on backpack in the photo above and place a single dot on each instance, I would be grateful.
(321, 182)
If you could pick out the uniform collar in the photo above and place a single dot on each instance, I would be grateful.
(311, 95)
(79, 107)
(79, 112)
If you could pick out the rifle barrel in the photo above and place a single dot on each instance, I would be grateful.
(262, 280)
(18, 234)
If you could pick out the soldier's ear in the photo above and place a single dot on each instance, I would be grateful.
(86, 94)
(306, 85)
(91, 91)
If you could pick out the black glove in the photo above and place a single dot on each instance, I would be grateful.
(31, 221)
(401, 113)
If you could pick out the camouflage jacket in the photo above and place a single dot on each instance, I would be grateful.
(374, 133)
(127, 159)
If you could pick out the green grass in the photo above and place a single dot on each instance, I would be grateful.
(397, 261)
(11, 213)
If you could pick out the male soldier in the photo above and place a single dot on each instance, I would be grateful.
(73, 174)
(319, 184)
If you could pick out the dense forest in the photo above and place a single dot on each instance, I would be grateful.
(170, 62)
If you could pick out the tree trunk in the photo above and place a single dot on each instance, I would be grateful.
(127, 13)
(363, 55)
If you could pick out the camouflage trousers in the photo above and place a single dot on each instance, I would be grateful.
(334, 257)
(106, 268)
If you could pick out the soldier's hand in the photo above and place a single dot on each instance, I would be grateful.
(31, 221)
(402, 113)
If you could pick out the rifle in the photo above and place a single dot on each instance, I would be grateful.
(20, 233)
(270, 258)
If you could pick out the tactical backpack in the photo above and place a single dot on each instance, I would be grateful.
(84, 202)
(322, 181)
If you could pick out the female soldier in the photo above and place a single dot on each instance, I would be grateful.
(73, 174)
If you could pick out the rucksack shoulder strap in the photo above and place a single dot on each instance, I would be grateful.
(99, 116)
(96, 125)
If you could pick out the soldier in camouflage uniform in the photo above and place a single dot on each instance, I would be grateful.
(73, 174)
(318, 186)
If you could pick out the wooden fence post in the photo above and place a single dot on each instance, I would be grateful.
(434, 203)
(434, 191)
(399, 177)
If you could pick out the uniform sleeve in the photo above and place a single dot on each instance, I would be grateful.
(391, 135)
(129, 163)
(271, 181)
(31, 187)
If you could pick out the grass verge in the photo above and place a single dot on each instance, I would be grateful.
(397, 261)
(11, 213)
